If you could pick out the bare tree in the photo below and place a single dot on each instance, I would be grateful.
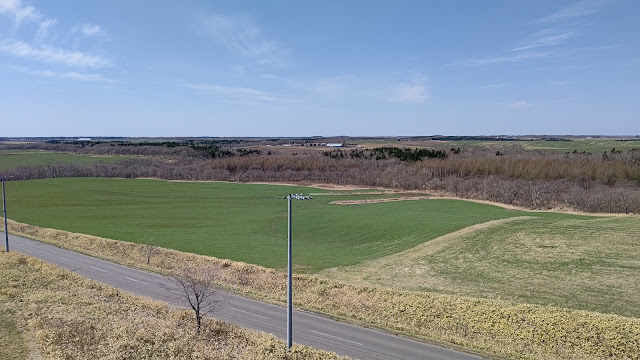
(195, 285)
(149, 250)
(535, 195)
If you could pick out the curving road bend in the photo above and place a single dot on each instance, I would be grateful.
(308, 329)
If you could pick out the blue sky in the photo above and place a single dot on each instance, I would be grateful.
(304, 68)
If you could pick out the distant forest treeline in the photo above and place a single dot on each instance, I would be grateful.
(604, 182)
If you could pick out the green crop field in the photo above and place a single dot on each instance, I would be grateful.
(594, 145)
(11, 159)
(437, 245)
(243, 222)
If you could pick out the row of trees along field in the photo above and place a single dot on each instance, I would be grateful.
(607, 182)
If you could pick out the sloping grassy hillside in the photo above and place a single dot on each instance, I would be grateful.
(590, 264)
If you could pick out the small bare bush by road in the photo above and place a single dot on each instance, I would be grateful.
(67, 316)
(195, 285)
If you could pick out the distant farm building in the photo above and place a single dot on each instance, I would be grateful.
(335, 145)
(317, 144)
(84, 139)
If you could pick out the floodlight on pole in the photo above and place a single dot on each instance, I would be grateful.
(289, 265)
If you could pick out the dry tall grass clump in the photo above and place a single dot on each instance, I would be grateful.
(67, 316)
(502, 328)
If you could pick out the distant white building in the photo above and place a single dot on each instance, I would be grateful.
(84, 139)
(335, 144)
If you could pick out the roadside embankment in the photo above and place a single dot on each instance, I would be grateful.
(63, 315)
(496, 327)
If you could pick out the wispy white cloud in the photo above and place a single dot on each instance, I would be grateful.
(53, 55)
(518, 105)
(407, 93)
(539, 44)
(545, 38)
(494, 86)
(41, 48)
(72, 75)
(411, 92)
(43, 29)
(86, 77)
(500, 59)
(242, 36)
(236, 93)
(88, 30)
(571, 11)
(19, 11)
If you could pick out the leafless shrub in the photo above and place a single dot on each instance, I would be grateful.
(22, 260)
(149, 250)
(195, 285)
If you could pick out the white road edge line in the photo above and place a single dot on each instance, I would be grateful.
(318, 332)
(246, 312)
(142, 282)
(95, 268)
(64, 258)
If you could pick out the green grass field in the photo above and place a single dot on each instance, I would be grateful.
(579, 145)
(436, 245)
(598, 145)
(589, 264)
(243, 222)
(11, 159)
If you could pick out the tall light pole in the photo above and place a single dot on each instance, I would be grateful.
(289, 287)
(4, 210)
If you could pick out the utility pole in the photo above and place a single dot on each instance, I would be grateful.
(4, 210)
(289, 290)
(289, 267)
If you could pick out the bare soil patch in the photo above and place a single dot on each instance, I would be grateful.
(353, 193)
(374, 201)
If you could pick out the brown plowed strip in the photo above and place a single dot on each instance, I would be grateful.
(373, 201)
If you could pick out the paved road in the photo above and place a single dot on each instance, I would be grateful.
(308, 329)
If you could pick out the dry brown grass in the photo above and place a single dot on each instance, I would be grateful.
(71, 317)
(12, 345)
(498, 327)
